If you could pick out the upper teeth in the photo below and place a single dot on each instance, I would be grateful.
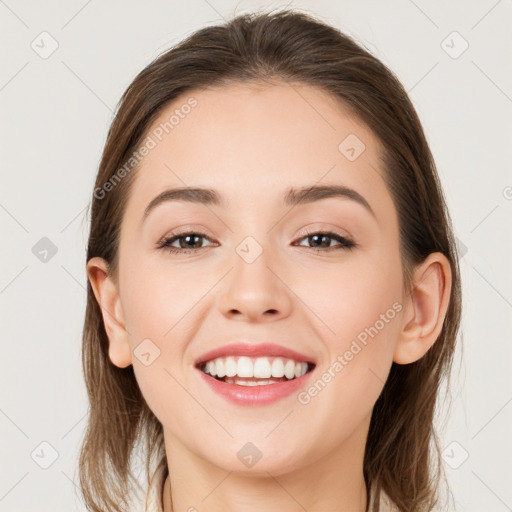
(259, 367)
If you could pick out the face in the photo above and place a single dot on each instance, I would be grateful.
(320, 276)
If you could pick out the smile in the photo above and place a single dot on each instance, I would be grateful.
(258, 371)
(246, 381)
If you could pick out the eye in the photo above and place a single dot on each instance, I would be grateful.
(190, 241)
(319, 237)
(187, 241)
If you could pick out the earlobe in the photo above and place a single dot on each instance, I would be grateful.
(425, 309)
(107, 296)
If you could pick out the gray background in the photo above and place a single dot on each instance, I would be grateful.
(55, 115)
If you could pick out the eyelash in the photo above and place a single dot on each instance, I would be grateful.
(345, 243)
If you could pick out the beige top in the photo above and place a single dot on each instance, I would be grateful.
(154, 501)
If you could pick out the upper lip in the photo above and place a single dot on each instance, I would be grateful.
(253, 350)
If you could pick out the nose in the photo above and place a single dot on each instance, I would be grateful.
(255, 291)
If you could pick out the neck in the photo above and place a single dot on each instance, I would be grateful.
(334, 482)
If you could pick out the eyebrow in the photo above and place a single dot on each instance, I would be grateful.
(292, 197)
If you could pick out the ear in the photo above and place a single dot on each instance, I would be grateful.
(107, 294)
(425, 309)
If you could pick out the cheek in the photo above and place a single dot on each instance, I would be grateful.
(157, 296)
(359, 305)
(364, 314)
(157, 303)
(349, 296)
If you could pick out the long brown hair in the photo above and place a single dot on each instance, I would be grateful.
(402, 452)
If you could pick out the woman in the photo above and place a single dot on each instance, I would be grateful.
(274, 293)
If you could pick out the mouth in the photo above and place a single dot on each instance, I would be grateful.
(255, 371)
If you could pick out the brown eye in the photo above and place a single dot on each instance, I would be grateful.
(187, 242)
(321, 241)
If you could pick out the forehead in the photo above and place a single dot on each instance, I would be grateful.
(251, 141)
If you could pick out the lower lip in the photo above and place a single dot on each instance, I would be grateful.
(255, 395)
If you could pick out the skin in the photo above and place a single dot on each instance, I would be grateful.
(251, 143)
